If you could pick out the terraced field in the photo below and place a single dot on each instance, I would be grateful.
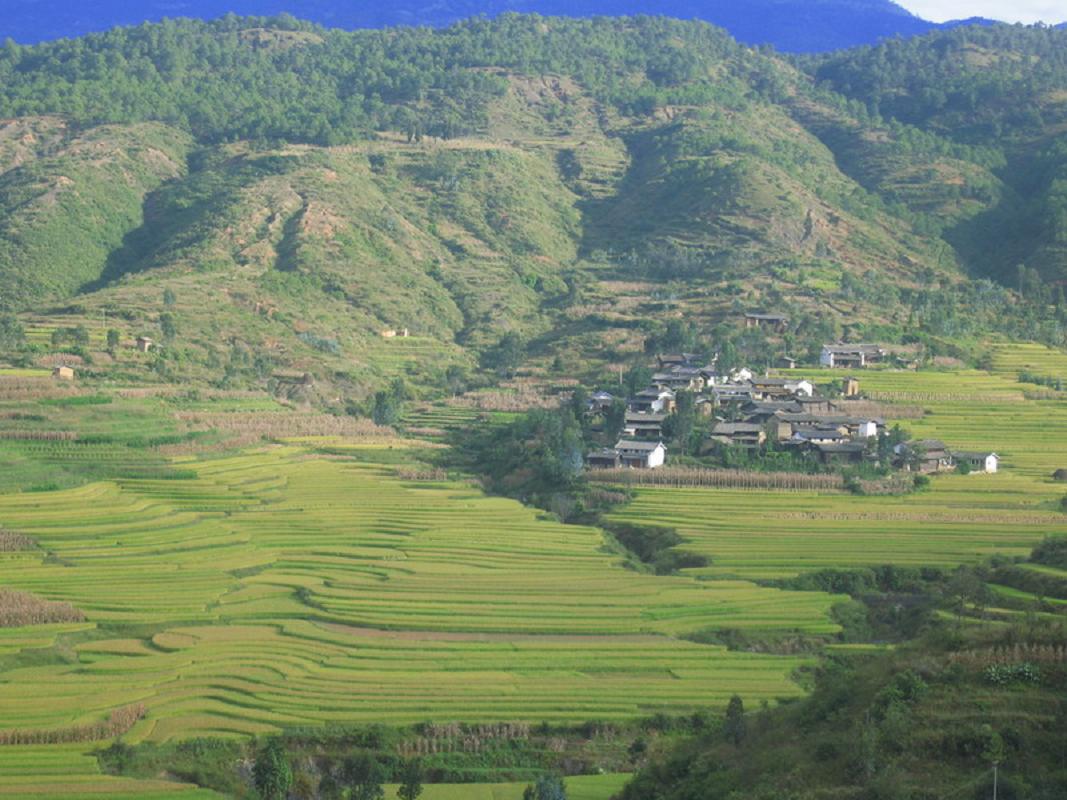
(67, 772)
(309, 583)
(278, 588)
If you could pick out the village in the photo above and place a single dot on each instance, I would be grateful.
(749, 414)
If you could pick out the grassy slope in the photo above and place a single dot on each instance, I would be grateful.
(68, 204)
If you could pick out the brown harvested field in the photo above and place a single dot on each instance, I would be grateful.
(18, 609)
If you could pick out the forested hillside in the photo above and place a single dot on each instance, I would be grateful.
(295, 191)
(1002, 86)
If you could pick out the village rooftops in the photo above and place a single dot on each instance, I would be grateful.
(828, 420)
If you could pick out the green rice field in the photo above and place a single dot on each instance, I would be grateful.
(279, 588)
(69, 772)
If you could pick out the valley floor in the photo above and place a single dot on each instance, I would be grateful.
(330, 580)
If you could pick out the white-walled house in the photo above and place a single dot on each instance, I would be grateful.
(642, 455)
(867, 429)
(979, 462)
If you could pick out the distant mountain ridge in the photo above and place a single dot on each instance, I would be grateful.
(789, 25)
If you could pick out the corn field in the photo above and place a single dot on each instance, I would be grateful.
(12, 542)
(252, 427)
(686, 477)
(119, 722)
(18, 609)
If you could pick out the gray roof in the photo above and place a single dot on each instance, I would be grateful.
(648, 418)
(819, 434)
(644, 447)
(852, 348)
(753, 315)
(605, 453)
(732, 428)
(851, 447)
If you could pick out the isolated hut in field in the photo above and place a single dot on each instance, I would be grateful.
(774, 322)
(144, 344)
(63, 373)
(851, 356)
(402, 333)
(983, 461)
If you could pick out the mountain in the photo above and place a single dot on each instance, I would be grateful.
(789, 25)
(296, 191)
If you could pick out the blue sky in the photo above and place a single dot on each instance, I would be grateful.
(1007, 10)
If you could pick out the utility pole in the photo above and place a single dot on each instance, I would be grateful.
(996, 765)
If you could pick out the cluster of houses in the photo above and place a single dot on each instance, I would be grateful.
(751, 412)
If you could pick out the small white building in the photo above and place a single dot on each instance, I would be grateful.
(642, 455)
(867, 429)
(979, 462)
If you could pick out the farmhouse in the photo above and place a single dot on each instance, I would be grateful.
(604, 459)
(403, 333)
(924, 455)
(63, 374)
(724, 395)
(774, 322)
(688, 378)
(851, 356)
(144, 344)
(745, 435)
(600, 402)
(816, 405)
(642, 455)
(644, 426)
(822, 436)
(653, 401)
(978, 462)
(775, 388)
(847, 453)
